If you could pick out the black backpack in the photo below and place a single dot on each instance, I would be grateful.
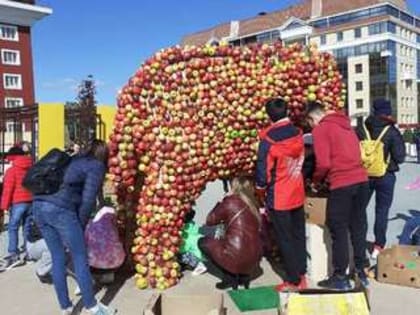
(46, 176)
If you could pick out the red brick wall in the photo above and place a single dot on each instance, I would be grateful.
(25, 68)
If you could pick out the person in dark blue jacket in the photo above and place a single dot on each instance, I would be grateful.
(62, 217)
(417, 143)
(394, 150)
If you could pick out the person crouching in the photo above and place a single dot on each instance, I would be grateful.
(236, 253)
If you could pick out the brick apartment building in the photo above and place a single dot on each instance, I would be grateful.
(16, 66)
(376, 44)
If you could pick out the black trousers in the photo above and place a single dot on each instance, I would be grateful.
(346, 213)
(289, 227)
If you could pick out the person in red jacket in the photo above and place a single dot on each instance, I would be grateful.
(17, 200)
(279, 179)
(339, 164)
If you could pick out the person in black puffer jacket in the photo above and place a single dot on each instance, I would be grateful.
(394, 150)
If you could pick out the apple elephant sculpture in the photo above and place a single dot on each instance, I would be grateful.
(191, 115)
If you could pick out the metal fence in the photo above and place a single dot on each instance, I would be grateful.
(17, 125)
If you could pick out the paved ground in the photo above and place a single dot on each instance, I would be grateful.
(21, 293)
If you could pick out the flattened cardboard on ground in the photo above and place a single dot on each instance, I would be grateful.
(175, 304)
(320, 301)
(316, 210)
(400, 265)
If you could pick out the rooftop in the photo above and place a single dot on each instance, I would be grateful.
(304, 10)
(23, 13)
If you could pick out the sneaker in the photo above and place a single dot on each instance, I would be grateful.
(200, 269)
(376, 251)
(67, 311)
(10, 262)
(101, 309)
(340, 283)
(362, 277)
(303, 285)
(288, 286)
(46, 279)
(77, 291)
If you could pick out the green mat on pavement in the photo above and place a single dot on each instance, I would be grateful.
(255, 299)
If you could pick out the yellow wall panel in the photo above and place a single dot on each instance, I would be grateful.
(107, 115)
(50, 127)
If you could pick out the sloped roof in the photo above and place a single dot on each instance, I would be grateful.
(331, 7)
(252, 25)
(275, 19)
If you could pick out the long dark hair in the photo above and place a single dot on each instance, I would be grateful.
(97, 149)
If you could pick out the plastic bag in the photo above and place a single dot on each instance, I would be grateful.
(104, 247)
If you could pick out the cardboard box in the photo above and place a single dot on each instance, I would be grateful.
(400, 265)
(174, 304)
(318, 246)
(316, 210)
(319, 301)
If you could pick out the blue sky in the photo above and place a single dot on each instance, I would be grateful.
(110, 39)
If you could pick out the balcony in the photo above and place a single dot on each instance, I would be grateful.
(408, 75)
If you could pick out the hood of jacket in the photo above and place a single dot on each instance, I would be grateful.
(292, 147)
(287, 139)
(378, 122)
(338, 119)
(21, 161)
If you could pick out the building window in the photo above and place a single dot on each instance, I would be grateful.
(409, 84)
(323, 39)
(268, 37)
(320, 24)
(359, 68)
(359, 103)
(13, 126)
(392, 27)
(10, 57)
(358, 32)
(13, 102)
(9, 32)
(12, 81)
(340, 36)
(359, 86)
(406, 18)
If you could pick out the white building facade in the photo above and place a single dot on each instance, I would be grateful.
(376, 45)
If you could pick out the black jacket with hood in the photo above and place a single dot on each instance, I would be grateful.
(394, 146)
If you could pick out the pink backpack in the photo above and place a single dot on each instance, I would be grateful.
(104, 247)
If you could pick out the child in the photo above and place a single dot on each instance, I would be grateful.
(280, 181)
(191, 255)
(16, 199)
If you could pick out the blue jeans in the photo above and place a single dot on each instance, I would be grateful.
(61, 228)
(18, 215)
(384, 189)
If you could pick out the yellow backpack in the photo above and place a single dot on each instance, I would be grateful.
(373, 154)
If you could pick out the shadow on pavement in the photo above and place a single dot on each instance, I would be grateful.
(111, 290)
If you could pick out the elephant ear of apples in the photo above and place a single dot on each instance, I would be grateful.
(191, 115)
